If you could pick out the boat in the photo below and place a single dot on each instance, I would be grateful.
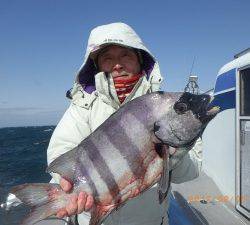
(221, 194)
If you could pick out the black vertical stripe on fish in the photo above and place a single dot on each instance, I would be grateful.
(103, 170)
(127, 149)
(84, 172)
(141, 115)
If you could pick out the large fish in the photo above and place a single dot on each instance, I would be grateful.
(124, 156)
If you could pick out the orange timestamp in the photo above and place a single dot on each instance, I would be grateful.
(218, 198)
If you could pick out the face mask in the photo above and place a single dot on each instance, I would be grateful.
(124, 85)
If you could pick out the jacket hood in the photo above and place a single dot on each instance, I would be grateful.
(118, 34)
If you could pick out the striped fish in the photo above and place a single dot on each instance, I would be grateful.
(125, 156)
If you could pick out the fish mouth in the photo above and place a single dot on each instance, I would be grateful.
(208, 113)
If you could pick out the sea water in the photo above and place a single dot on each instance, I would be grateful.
(22, 160)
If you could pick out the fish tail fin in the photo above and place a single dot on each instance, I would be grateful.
(40, 213)
(44, 199)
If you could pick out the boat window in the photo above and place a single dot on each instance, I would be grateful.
(245, 92)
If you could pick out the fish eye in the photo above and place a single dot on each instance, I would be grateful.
(180, 107)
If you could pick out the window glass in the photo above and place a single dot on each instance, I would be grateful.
(245, 92)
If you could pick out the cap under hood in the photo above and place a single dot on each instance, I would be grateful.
(120, 34)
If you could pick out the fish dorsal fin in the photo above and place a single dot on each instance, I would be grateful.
(65, 165)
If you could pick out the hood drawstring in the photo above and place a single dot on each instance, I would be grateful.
(124, 85)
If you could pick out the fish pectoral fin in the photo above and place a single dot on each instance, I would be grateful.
(164, 183)
(64, 165)
(100, 213)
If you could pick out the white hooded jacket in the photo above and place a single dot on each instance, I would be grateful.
(93, 100)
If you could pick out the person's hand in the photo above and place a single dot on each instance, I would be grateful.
(78, 204)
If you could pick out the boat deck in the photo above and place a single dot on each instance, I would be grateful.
(202, 198)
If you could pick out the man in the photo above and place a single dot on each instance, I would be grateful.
(117, 68)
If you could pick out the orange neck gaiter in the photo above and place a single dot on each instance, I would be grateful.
(124, 86)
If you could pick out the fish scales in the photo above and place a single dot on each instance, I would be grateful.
(84, 176)
(113, 158)
(129, 152)
(90, 173)
(134, 154)
(103, 169)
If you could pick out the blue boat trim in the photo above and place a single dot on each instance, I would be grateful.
(227, 90)
(225, 100)
(180, 212)
(225, 81)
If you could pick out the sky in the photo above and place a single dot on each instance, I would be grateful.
(42, 45)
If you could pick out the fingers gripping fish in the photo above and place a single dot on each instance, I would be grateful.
(125, 156)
